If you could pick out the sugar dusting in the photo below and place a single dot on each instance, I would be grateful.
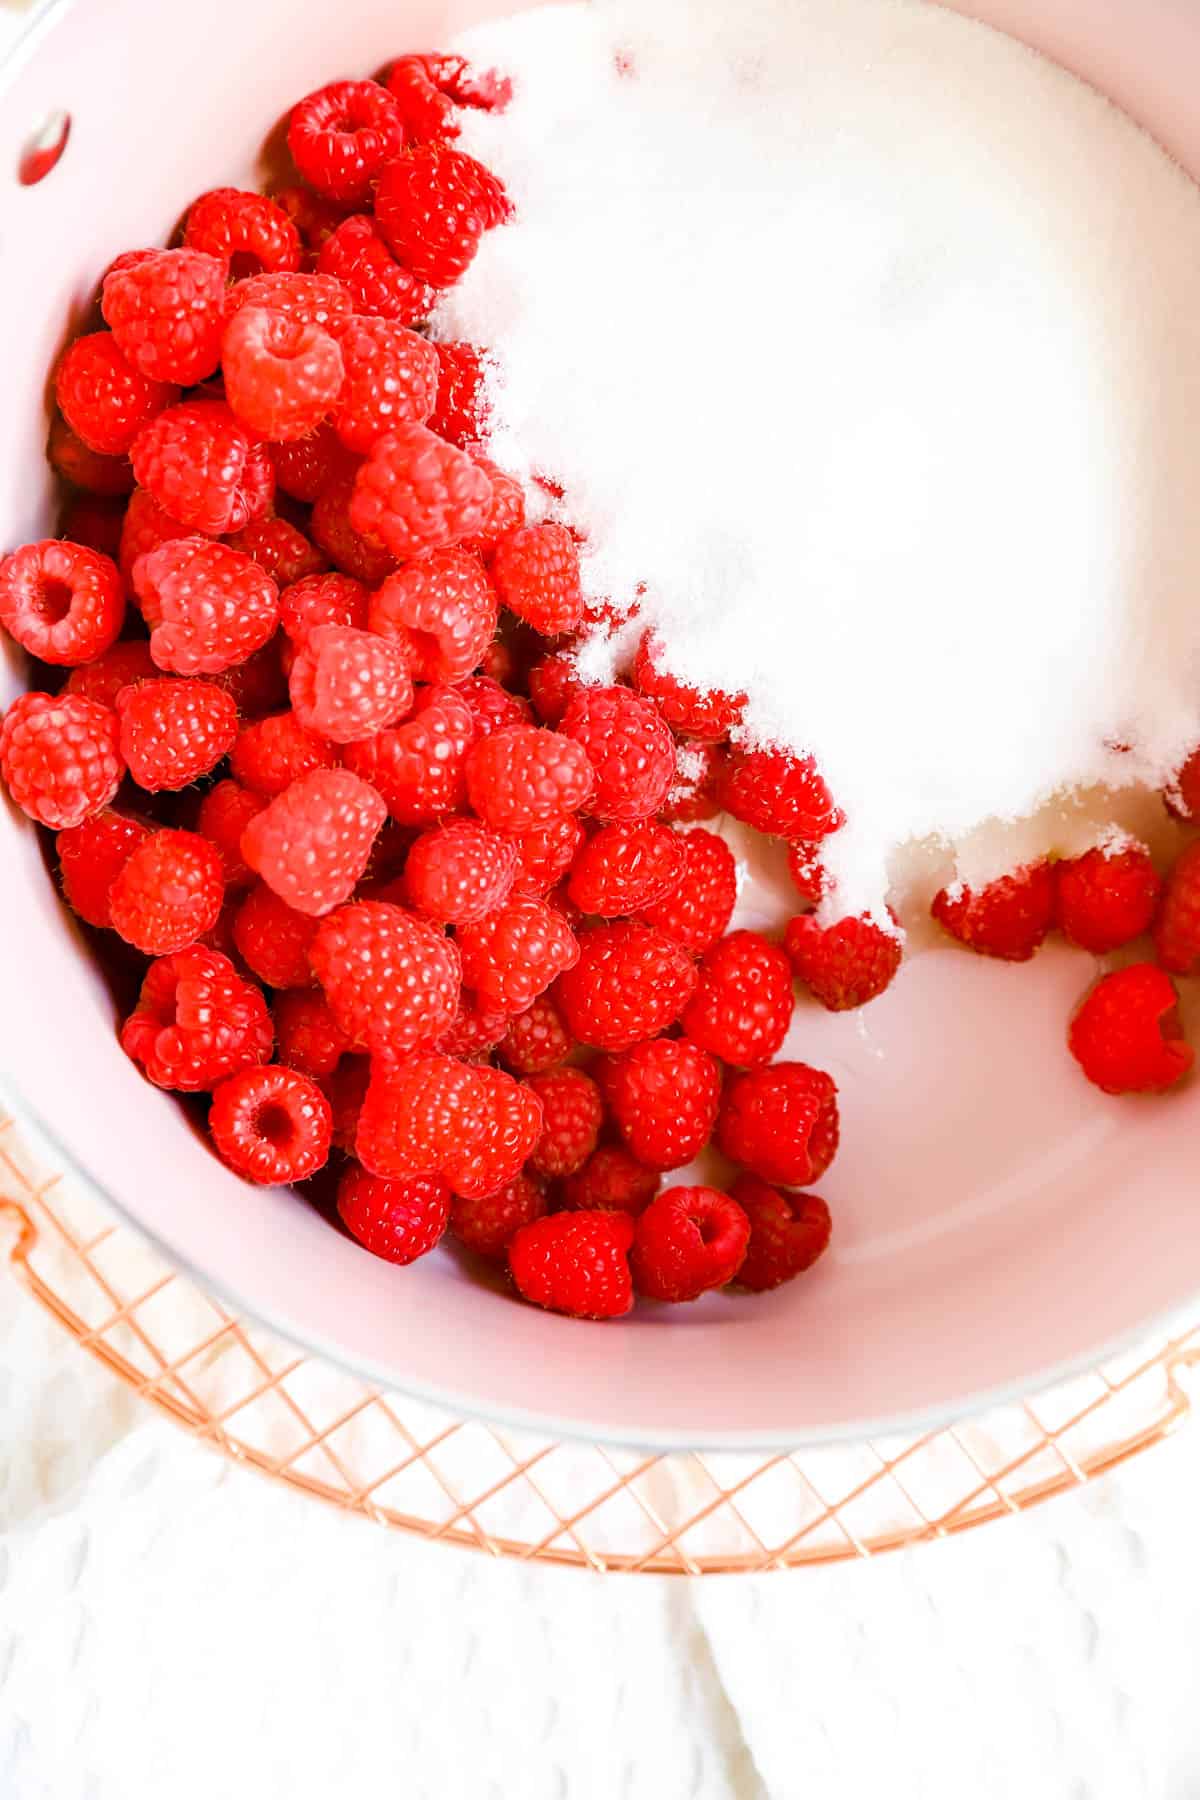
(869, 342)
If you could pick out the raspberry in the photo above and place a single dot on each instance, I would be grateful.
(707, 714)
(172, 732)
(1126, 1037)
(420, 767)
(503, 1127)
(257, 686)
(380, 288)
(1108, 896)
(314, 600)
(622, 868)
(846, 964)
(507, 509)
(146, 525)
(611, 1180)
(522, 778)
(113, 670)
(311, 843)
(780, 1122)
(545, 854)
(629, 983)
(477, 1029)
(169, 892)
(430, 89)
(572, 1115)
(687, 1241)
(247, 231)
(630, 748)
(90, 857)
(364, 557)
(553, 684)
(664, 1097)
(784, 796)
(536, 572)
(391, 979)
(306, 299)
(398, 1220)
(391, 379)
(59, 757)
(458, 414)
(693, 794)
(309, 1037)
(347, 685)
(167, 314)
(198, 462)
(575, 1263)
(281, 375)
(196, 1022)
(207, 606)
(697, 909)
(433, 206)
(442, 609)
(345, 1089)
(273, 940)
(314, 217)
(271, 1125)
(224, 814)
(493, 708)
(341, 136)
(536, 1039)
(1177, 928)
(62, 603)
(103, 397)
(304, 467)
(271, 753)
(94, 521)
(459, 872)
(513, 954)
(84, 468)
(488, 1224)
(416, 493)
(280, 550)
(742, 1004)
(1008, 918)
(788, 1232)
(417, 1114)
(804, 868)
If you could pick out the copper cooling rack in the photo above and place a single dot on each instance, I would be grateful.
(413, 1468)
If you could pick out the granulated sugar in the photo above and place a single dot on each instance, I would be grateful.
(870, 343)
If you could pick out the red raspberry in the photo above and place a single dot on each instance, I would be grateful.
(347, 685)
(391, 379)
(364, 557)
(693, 794)
(84, 468)
(575, 1263)
(708, 715)
(257, 686)
(311, 843)
(572, 1115)
(273, 752)
(1008, 918)
(59, 757)
(697, 909)
(280, 550)
(1126, 1036)
(416, 493)
(784, 796)
(459, 411)
(271, 1125)
(391, 979)
(305, 467)
(664, 1097)
(545, 855)
(93, 520)
(503, 1126)
(308, 1035)
(522, 778)
(846, 964)
(90, 857)
(804, 867)
(430, 90)
(1108, 896)
(687, 1241)
(442, 609)
(172, 732)
(781, 1122)
(507, 509)
(115, 669)
(380, 288)
(553, 684)
(167, 314)
(224, 814)
(536, 572)
(314, 217)
(341, 136)
(1177, 928)
(420, 767)
(196, 1022)
(477, 1029)
(281, 376)
(629, 983)
(536, 1039)
(314, 600)
(513, 954)
(630, 748)
(742, 1005)
(103, 397)
(62, 603)
(198, 462)
(622, 868)
(487, 1225)
(493, 708)
(207, 606)
(433, 206)
(249, 232)
(417, 1114)
(788, 1232)
(306, 299)
(611, 1180)
(345, 1089)
(398, 1220)
(146, 525)
(273, 940)
(459, 872)
(169, 892)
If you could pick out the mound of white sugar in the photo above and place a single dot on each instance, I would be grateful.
(869, 342)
